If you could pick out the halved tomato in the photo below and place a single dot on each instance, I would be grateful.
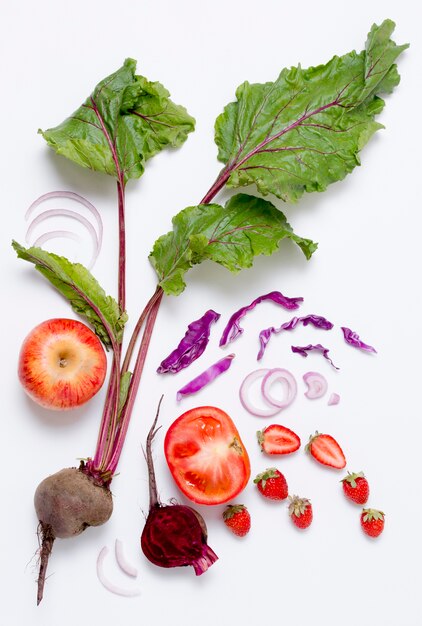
(206, 456)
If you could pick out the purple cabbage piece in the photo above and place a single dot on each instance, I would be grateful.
(316, 320)
(233, 328)
(303, 350)
(206, 377)
(191, 346)
(353, 339)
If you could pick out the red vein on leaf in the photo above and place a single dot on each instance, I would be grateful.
(281, 111)
(151, 121)
(253, 124)
(271, 169)
(296, 148)
(79, 119)
(238, 229)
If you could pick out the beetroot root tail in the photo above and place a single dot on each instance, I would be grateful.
(46, 538)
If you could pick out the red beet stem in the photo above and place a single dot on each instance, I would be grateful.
(153, 493)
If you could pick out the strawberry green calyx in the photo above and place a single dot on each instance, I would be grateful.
(260, 437)
(352, 477)
(298, 506)
(372, 514)
(271, 472)
(311, 440)
(232, 510)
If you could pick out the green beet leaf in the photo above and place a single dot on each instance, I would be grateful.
(123, 123)
(232, 236)
(304, 131)
(82, 290)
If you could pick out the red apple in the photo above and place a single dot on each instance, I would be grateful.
(62, 364)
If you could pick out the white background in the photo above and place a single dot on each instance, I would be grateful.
(365, 275)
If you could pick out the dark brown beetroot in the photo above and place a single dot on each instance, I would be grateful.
(66, 503)
(174, 535)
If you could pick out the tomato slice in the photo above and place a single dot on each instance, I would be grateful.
(206, 456)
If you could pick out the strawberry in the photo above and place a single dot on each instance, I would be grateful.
(272, 484)
(372, 522)
(237, 518)
(277, 439)
(326, 450)
(356, 487)
(300, 511)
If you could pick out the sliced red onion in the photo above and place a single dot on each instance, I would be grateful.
(107, 583)
(333, 399)
(316, 320)
(95, 236)
(303, 351)
(53, 234)
(64, 213)
(71, 195)
(122, 562)
(316, 383)
(279, 374)
(191, 346)
(244, 394)
(205, 377)
(353, 339)
(233, 328)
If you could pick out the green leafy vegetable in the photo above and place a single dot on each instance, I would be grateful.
(304, 131)
(125, 121)
(232, 236)
(82, 290)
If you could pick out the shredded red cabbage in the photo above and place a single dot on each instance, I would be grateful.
(233, 328)
(303, 350)
(206, 377)
(353, 339)
(316, 320)
(191, 346)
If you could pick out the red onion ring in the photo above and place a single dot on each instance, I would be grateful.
(96, 237)
(71, 195)
(273, 376)
(244, 395)
(107, 583)
(122, 562)
(66, 213)
(316, 383)
(67, 234)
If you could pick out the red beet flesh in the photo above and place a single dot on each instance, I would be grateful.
(173, 536)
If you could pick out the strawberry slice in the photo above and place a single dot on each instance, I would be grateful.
(277, 439)
(326, 450)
